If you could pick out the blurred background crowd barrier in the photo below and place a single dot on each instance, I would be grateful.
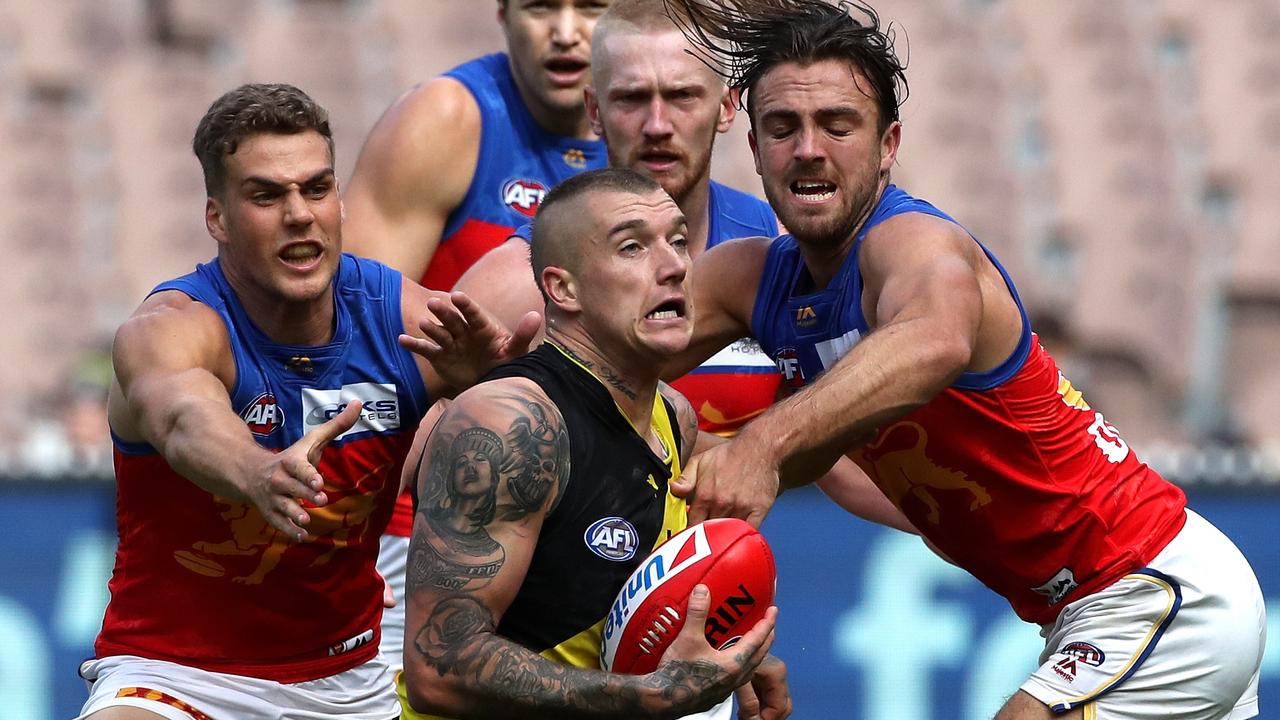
(1122, 157)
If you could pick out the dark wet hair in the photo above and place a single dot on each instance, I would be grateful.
(745, 39)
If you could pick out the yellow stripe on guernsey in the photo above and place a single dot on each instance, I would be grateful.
(583, 650)
(1071, 396)
(1141, 649)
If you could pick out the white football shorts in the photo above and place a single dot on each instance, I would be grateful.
(1182, 637)
(178, 692)
(393, 558)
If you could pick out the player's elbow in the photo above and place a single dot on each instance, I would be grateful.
(432, 693)
(944, 358)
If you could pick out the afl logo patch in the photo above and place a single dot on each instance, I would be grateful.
(1087, 653)
(523, 196)
(788, 362)
(263, 415)
(612, 538)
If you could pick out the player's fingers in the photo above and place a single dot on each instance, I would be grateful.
(748, 703)
(317, 439)
(755, 517)
(448, 316)
(300, 479)
(428, 349)
(695, 621)
(525, 331)
(284, 524)
(753, 648)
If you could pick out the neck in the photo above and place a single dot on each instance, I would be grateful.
(286, 323)
(695, 205)
(632, 387)
(823, 261)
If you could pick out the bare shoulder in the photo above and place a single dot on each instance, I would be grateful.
(172, 324)
(739, 257)
(419, 145)
(728, 274)
(916, 235)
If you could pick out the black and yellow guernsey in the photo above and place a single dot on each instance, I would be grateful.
(614, 509)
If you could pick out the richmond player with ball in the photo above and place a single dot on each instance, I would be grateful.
(543, 487)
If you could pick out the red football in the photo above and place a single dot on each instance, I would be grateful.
(727, 555)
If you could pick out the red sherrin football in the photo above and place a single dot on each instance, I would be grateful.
(727, 555)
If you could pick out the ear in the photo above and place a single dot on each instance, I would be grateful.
(562, 288)
(593, 110)
(215, 220)
(728, 111)
(889, 146)
(755, 150)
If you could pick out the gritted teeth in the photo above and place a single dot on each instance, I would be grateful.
(667, 311)
(300, 251)
(813, 189)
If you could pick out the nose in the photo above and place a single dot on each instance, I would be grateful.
(657, 122)
(566, 30)
(673, 265)
(808, 146)
(297, 211)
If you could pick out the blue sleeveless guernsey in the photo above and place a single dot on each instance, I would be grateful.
(203, 580)
(517, 164)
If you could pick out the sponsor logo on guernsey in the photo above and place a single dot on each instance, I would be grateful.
(612, 538)
(806, 317)
(523, 196)
(300, 364)
(668, 559)
(830, 351)
(1058, 586)
(1076, 653)
(380, 413)
(575, 158)
(350, 644)
(263, 415)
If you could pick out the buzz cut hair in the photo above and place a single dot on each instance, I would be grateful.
(554, 242)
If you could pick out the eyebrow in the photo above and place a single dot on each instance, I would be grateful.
(269, 183)
(626, 225)
(834, 111)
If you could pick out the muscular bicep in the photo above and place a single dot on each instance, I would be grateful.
(494, 466)
(414, 169)
(173, 353)
(921, 271)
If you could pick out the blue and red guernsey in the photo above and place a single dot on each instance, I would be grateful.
(1010, 473)
(517, 164)
(205, 581)
(739, 382)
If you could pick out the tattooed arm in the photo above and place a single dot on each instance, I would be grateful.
(495, 465)
(687, 422)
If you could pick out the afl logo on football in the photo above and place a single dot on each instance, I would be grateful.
(263, 415)
(612, 538)
(523, 196)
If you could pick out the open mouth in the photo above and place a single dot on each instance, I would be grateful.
(669, 310)
(566, 70)
(813, 190)
(301, 254)
(659, 159)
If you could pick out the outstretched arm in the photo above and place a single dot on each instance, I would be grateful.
(496, 464)
(173, 367)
